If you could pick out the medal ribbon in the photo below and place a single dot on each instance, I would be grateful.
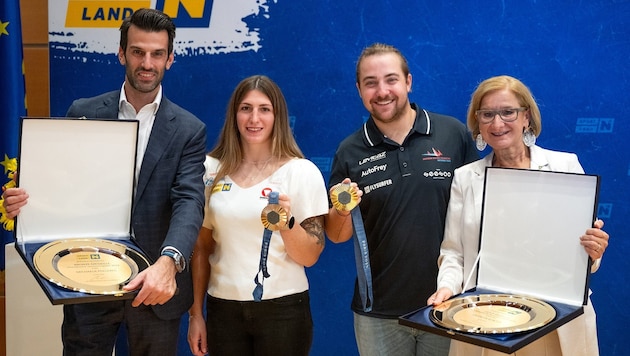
(264, 253)
(362, 259)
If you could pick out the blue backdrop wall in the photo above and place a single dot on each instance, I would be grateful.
(574, 55)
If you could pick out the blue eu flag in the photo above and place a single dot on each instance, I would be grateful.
(13, 97)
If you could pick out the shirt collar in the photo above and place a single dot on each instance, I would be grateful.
(156, 101)
(422, 125)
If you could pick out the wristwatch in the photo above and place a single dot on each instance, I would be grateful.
(291, 222)
(180, 261)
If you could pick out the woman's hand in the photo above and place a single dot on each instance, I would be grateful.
(197, 335)
(440, 296)
(595, 240)
(14, 199)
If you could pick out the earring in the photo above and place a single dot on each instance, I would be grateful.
(481, 144)
(529, 138)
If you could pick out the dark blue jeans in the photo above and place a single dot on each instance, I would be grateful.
(281, 326)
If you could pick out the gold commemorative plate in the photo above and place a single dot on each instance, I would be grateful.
(344, 197)
(493, 314)
(93, 266)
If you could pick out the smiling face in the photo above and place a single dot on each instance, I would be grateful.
(146, 59)
(498, 134)
(383, 87)
(255, 118)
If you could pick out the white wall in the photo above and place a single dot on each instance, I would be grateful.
(33, 323)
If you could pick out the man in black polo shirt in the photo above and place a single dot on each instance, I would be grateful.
(403, 159)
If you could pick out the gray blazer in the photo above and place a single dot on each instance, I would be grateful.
(168, 206)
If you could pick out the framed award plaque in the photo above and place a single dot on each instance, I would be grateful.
(524, 288)
(74, 234)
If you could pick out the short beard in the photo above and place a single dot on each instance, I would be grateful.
(143, 88)
(398, 114)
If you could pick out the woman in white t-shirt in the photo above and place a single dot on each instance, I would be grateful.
(256, 291)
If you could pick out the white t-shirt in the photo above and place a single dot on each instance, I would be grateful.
(234, 218)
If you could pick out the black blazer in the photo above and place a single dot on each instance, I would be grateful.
(169, 201)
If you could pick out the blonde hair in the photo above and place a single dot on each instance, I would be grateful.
(520, 90)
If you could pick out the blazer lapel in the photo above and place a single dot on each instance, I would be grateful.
(478, 177)
(109, 108)
(161, 134)
(538, 159)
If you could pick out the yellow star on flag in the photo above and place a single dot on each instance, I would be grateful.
(10, 164)
(3, 28)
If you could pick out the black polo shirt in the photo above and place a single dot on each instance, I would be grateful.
(406, 189)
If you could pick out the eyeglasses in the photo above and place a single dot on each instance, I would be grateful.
(507, 115)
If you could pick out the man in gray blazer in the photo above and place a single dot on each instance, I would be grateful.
(168, 206)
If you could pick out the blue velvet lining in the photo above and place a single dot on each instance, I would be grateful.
(59, 295)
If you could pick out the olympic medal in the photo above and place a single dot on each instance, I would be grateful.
(274, 217)
(344, 197)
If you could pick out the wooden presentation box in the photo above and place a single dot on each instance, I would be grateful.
(79, 175)
(529, 246)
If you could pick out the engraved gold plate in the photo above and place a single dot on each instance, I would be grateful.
(274, 217)
(344, 198)
(93, 266)
(493, 314)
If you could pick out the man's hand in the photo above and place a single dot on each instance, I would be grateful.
(157, 283)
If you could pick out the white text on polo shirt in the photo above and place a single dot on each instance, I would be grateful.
(376, 168)
(376, 157)
(371, 187)
(438, 174)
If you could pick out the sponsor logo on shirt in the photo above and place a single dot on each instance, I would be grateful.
(370, 188)
(376, 157)
(222, 187)
(438, 174)
(376, 168)
(264, 194)
(435, 155)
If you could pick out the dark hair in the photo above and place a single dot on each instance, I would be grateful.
(150, 20)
